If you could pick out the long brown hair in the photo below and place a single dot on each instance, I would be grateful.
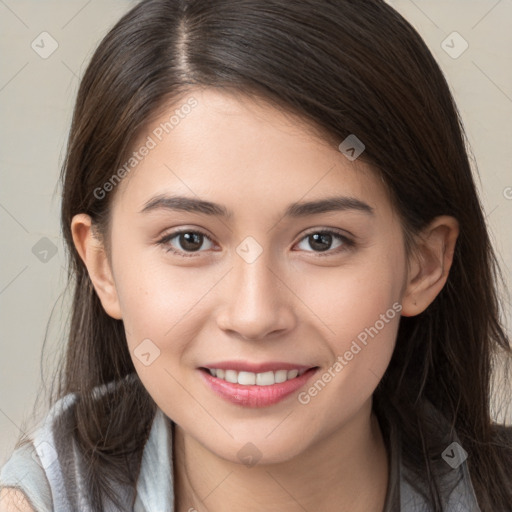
(347, 67)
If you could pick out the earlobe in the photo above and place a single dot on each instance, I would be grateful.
(430, 264)
(93, 254)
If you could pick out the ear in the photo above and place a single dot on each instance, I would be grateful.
(430, 264)
(93, 254)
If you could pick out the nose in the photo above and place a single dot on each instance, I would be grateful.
(259, 304)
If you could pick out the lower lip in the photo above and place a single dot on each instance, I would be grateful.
(255, 396)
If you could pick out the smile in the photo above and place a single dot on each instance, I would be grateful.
(259, 379)
(251, 389)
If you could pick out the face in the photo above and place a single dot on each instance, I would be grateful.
(269, 282)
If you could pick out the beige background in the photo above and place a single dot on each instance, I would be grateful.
(36, 98)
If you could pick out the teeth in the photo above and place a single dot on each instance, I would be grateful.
(250, 378)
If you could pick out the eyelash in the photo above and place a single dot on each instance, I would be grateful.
(347, 242)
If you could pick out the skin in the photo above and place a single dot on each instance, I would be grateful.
(294, 303)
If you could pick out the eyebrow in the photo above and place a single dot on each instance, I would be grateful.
(294, 210)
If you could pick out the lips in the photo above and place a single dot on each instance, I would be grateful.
(255, 395)
(245, 366)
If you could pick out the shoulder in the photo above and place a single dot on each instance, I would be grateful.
(47, 471)
(23, 482)
(13, 500)
(36, 474)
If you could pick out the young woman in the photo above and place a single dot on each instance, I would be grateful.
(285, 297)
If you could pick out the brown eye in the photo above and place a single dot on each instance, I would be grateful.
(190, 241)
(186, 241)
(322, 241)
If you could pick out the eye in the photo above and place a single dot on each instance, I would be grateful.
(321, 241)
(189, 240)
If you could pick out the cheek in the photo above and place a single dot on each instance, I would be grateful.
(360, 319)
(364, 319)
(154, 299)
(160, 305)
(163, 301)
(352, 297)
(359, 311)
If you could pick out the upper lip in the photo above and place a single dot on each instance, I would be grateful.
(245, 366)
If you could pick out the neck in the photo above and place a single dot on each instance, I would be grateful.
(334, 474)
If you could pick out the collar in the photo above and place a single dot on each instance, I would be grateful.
(155, 485)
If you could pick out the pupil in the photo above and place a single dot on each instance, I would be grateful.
(189, 240)
(325, 239)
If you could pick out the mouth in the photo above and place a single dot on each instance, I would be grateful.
(251, 389)
(246, 378)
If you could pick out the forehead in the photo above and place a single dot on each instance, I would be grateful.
(238, 150)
